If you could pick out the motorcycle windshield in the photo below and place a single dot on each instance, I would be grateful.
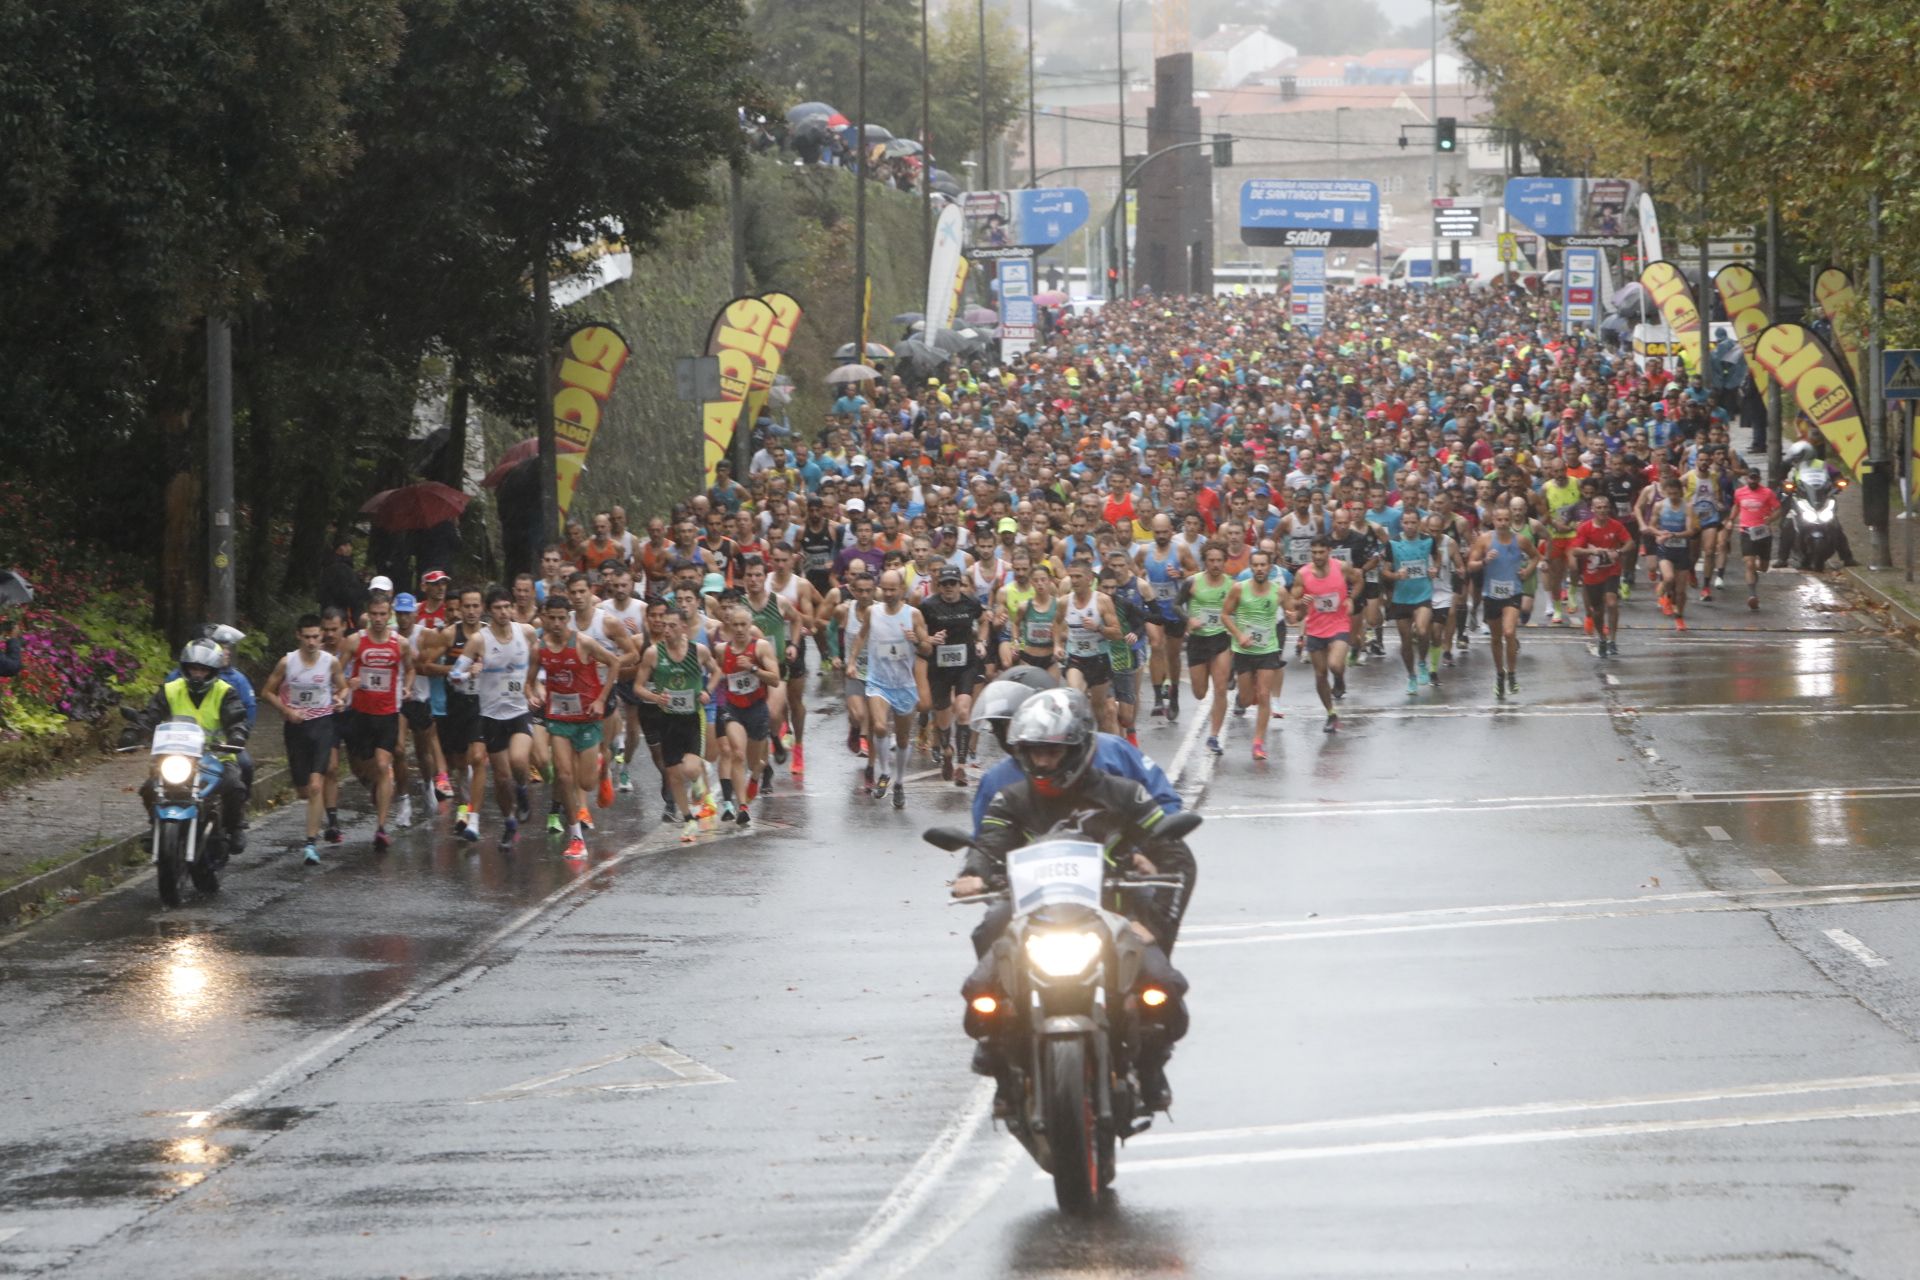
(1055, 873)
(179, 738)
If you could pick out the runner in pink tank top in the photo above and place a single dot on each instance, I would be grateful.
(1324, 590)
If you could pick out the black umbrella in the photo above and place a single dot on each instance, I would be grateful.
(14, 588)
(872, 133)
(919, 359)
(809, 109)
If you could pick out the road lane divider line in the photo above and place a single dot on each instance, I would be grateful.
(1563, 904)
(1409, 1119)
(1624, 802)
(1319, 808)
(913, 1189)
(1435, 926)
(1859, 950)
(982, 1190)
(1767, 875)
(8, 1233)
(1523, 1137)
(1718, 833)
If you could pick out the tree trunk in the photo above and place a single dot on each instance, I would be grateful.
(261, 496)
(180, 601)
(309, 549)
(453, 460)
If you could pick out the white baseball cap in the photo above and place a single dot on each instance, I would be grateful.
(381, 583)
(856, 504)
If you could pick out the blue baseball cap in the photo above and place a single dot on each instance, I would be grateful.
(404, 603)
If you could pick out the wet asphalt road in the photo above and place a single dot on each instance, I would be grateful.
(1623, 979)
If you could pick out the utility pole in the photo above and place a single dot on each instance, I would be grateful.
(543, 396)
(1033, 134)
(1876, 401)
(1775, 423)
(221, 596)
(1433, 114)
(860, 196)
(1120, 160)
(986, 134)
(742, 443)
(926, 141)
(1705, 372)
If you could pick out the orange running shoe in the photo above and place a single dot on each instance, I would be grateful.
(1679, 624)
(576, 848)
(1589, 624)
(606, 791)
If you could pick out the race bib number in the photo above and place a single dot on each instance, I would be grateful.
(564, 704)
(743, 682)
(950, 655)
(516, 687)
(893, 650)
(1343, 554)
(1502, 589)
(1164, 590)
(682, 702)
(1084, 646)
(1207, 617)
(376, 679)
(1415, 569)
(818, 561)
(1759, 532)
(306, 699)
(1327, 603)
(1255, 636)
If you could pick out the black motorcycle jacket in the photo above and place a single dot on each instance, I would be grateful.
(1117, 812)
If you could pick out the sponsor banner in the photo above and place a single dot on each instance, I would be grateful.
(1811, 377)
(739, 341)
(1650, 250)
(949, 232)
(1550, 206)
(1667, 286)
(592, 357)
(1745, 301)
(1308, 304)
(1580, 285)
(1309, 213)
(786, 318)
(1019, 319)
(1833, 289)
(953, 294)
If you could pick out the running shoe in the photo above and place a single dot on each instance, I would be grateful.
(1378, 648)
(1213, 745)
(443, 786)
(1446, 659)
(576, 848)
(1626, 588)
(863, 752)
(1679, 623)
(1413, 685)
(798, 764)
(1421, 674)
(381, 841)
(1339, 686)
(584, 818)
(779, 748)
(1259, 749)
(728, 811)
(459, 814)
(1239, 712)
(333, 835)
(744, 817)
(1333, 723)
(1589, 624)
(509, 833)
(1513, 682)
(1500, 685)
(403, 813)
(946, 763)
(706, 809)
(310, 854)
(766, 779)
(606, 791)
(625, 786)
(669, 812)
(960, 775)
(1706, 595)
(753, 789)
(555, 827)
(1666, 606)
(522, 807)
(1753, 602)
(900, 796)
(1360, 656)
(469, 830)
(689, 830)
(881, 784)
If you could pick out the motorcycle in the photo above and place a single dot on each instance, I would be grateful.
(1066, 1004)
(1813, 515)
(188, 836)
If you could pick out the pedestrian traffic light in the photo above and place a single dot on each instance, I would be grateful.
(1444, 133)
(1223, 151)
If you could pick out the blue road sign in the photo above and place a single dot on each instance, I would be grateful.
(1047, 215)
(1309, 213)
(1900, 373)
(1550, 206)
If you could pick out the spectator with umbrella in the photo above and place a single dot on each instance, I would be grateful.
(13, 591)
(340, 585)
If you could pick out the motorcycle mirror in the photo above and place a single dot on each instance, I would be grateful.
(952, 839)
(1178, 826)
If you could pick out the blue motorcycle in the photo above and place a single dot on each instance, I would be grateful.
(188, 836)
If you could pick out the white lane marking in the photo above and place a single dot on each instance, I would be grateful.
(1785, 1089)
(1556, 918)
(1859, 950)
(686, 1071)
(913, 1189)
(1650, 753)
(1319, 808)
(1718, 833)
(1561, 904)
(8, 1233)
(1388, 809)
(991, 1179)
(1554, 713)
(1575, 1133)
(457, 977)
(1767, 875)
(1187, 745)
(1611, 679)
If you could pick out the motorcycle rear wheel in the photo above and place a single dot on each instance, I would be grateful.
(1073, 1131)
(173, 838)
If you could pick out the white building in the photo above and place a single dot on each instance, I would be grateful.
(1226, 58)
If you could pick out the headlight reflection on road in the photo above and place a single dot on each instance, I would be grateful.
(190, 980)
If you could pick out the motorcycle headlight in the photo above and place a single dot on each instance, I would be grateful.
(1824, 517)
(175, 770)
(1062, 953)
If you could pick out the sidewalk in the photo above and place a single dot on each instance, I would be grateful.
(57, 832)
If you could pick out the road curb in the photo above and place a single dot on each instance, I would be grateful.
(1908, 615)
(270, 787)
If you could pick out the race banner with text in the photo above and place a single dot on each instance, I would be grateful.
(1811, 376)
(1839, 302)
(1745, 300)
(786, 318)
(1667, 286)
(592, 358)
(739, 340)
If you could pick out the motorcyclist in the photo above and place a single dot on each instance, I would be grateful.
(995, 707)
(1806, 464)
(1053, 740)
(199, 694)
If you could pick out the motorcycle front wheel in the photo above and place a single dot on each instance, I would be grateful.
(167, 868)
(205, 878)
(1073, 1131)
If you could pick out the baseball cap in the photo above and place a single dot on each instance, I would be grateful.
(949, 573)
(856, 504)
(713, 585)
(381, 583)
(1007, 525)
(860, 460)
(434, 575)
(1262, 470)
(405, 603)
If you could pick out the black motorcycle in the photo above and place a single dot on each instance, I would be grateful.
(1067, 1003)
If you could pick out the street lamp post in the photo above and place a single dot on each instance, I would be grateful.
(1120, 139)
(860, 194)
(986, 165)
(926, 143)
(1033, 135)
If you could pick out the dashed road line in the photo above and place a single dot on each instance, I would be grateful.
(1767, 875)
(1859, 950)
(1718, 833)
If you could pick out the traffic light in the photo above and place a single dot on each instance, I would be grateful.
(1444, 133)
(1223, 151)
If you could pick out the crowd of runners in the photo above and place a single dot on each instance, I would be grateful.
(1163, 506)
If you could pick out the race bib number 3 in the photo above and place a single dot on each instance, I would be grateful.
(564, 704)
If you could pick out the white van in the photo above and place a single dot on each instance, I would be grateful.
(1479, 260)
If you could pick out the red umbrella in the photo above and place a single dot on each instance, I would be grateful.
(417, 506)
(837, 121)
(519, 453)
